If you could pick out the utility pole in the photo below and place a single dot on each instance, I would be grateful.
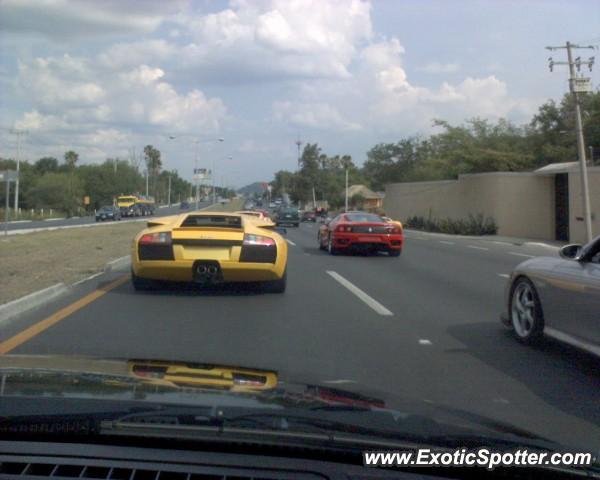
(146, 182)
(577, 85)
(19, 133)
(169, 194)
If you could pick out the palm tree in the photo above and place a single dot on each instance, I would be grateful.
(71, 158)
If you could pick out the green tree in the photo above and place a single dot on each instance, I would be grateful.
(45, 165)
(71, 159)
(153, 164)
(49, 191)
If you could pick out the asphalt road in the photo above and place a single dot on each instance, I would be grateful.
(427, 328)
(63, 222)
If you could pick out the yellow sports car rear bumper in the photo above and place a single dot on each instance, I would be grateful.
(233, 271)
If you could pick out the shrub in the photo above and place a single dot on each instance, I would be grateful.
(472, 225)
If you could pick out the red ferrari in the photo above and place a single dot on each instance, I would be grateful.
(360, 231)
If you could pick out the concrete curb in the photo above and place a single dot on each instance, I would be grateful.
(31, 301)
(41, 297)
(490, 238)
(118, 264)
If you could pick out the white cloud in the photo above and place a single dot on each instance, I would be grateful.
(312, 115)
(64, 19)
(439, 68)
(99, 106)
(122, 55)
(309, 38)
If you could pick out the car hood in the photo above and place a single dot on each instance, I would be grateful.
(142, 382)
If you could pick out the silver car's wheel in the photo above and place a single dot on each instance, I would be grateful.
(525, 312)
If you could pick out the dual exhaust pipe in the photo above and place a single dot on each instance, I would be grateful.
(208, 273)
(210, 270)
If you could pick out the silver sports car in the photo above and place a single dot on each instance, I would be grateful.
(557, 297)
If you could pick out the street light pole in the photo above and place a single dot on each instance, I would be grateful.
(18, 133)
(169, 194)
(196, 178)
(213, 174)
(346, 202)
(196, 175)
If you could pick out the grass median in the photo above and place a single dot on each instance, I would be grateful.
(38, 260)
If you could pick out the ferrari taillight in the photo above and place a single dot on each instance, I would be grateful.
(161, 238)
(343, 228)
(250, 239)
(393, 230)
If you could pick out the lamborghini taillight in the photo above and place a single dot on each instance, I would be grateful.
(258, 249)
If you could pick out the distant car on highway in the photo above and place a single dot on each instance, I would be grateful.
(184, 206)
(558, 297)
(272, 205)
(252, 213)
(398, 223)
(209, 248)
(309, 216)
(108, 212)
(360, 231)
(287, 216)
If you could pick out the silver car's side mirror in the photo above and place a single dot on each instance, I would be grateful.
(571, 251)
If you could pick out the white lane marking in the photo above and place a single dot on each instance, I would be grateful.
(370, 301)
(477, 248)
(424, 341)
(20, 221)
(53, 219)
(338, 382)
(446, 242)
(504, 275)
(502, 243)
(521, 254)
(290, 242)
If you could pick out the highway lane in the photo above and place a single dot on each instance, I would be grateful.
(443, 341)
(63, 222)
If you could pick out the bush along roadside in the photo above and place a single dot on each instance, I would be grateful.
(472, 225)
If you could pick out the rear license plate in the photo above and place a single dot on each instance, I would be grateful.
(206, 253)
(368, 239)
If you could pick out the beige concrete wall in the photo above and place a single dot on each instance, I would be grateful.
(576, 223)
(521, 203)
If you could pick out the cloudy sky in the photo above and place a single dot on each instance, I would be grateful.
(104, 76)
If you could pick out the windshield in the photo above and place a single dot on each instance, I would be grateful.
(376, 205)
(362, 217)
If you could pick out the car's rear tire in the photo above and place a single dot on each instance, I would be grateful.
(525, 312)
(394, 253)
(143, 284)
(276, 286)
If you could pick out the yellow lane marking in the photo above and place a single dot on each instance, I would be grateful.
(53, 319)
